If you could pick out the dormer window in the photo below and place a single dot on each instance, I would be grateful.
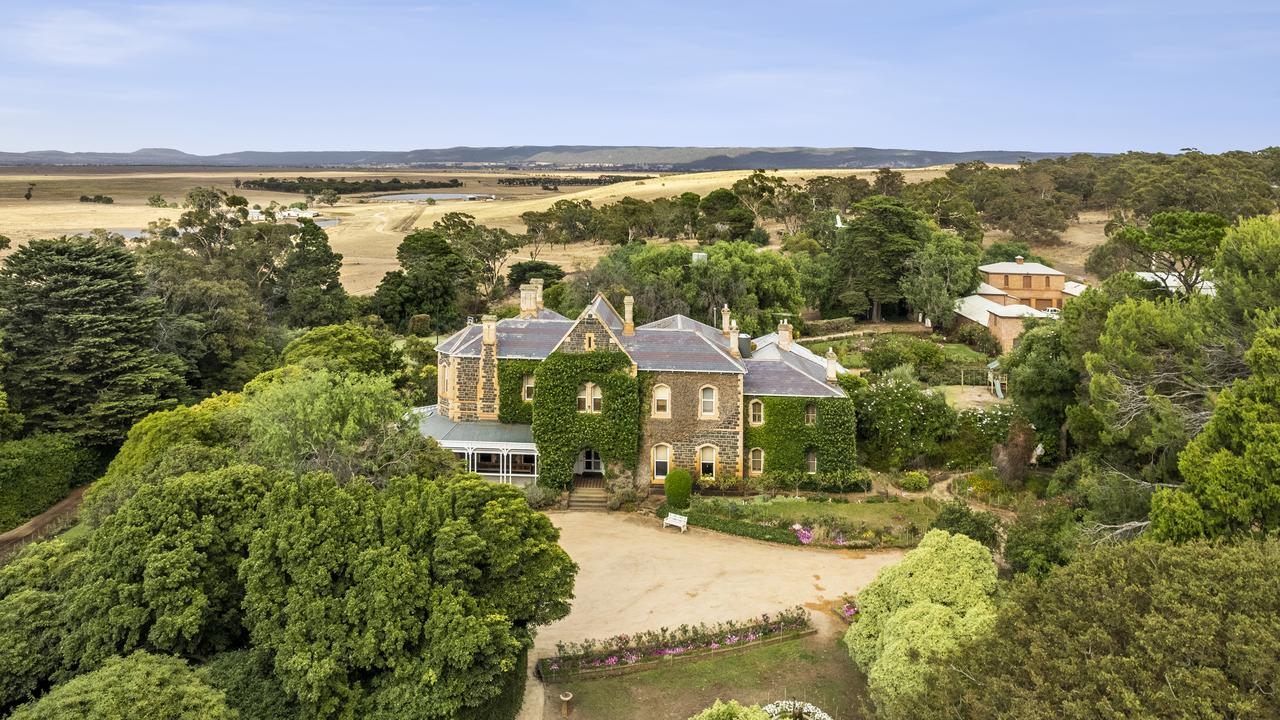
(589, 398)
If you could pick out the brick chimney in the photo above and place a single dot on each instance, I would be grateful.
(725, 315)
(831, 365)
(784, 335)
(528, 301)
(1019, 259)
(734, 350)
(628, 317)
(489, 335)
(537, 284)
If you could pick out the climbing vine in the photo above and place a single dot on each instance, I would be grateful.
(786, 438)
(512, 407)
(562, 432)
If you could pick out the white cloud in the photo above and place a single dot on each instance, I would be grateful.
(93, 38)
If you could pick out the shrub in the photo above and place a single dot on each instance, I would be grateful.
(977, 338)
(250, 687)
(890, 351)
(956, 517)
(141, 685)
(914, 481)
(898, 422)
(345, 348)
(918, 611)
(832, 326)
(679, 485)
(732, 710)
(1043, 538)
(541, 497)
(37, 472)
(623, 498)
(977, 432)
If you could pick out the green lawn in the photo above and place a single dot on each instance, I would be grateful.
(850, 355)
(884, 514)
(957, 352)
(812, 668)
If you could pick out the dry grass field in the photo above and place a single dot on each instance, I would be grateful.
(368, 232)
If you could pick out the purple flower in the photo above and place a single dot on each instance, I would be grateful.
(611, 661)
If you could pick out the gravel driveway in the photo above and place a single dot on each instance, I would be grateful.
(635, 575)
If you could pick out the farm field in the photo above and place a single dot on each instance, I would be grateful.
(368, 233)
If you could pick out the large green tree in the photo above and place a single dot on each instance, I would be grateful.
(1231, 471)
(871, 253)
(1142, 631)
(431, 281)
(937, 275)
(1042, 381)
(310, 292)
(80, 330)
(406, 603)
(1179, 245)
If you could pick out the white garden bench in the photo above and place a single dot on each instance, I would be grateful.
(674, 520)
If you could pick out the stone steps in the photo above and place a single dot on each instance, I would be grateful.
(589, 499)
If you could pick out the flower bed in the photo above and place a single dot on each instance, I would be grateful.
(786, 709)
(627, 653)
(847, 610)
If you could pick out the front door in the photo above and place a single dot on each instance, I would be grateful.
(591, 463)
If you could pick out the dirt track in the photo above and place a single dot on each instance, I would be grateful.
(637, 576)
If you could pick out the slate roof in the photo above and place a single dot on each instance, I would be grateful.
(517, 339)
(797, 373)
(678, 350)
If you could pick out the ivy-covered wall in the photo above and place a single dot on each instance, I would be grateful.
(512, 407)
(562, 432)
(785, 438)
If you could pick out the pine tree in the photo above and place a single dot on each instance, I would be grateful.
(310, 289)
(80, 332)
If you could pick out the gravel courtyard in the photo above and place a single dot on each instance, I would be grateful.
(635, 575)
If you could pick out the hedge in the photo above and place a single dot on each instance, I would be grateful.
(37, 472)
(678, 485)
(735, 527)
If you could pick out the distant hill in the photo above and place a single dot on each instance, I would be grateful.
(543, 156)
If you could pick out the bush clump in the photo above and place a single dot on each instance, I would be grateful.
(679, 485)
(957, 518)
(37, 472)
(541, 497)
(914, 481)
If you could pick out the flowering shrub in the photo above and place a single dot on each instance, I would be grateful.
(786, 709)
(897, 421)
(914, 481)
(977, 431)
(848, 609)
(653, 645)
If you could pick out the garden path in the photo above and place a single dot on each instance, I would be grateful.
(635, 576)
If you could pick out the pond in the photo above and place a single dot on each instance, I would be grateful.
(419, 197)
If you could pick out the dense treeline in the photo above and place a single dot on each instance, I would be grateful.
(577, 181)
(343, 186)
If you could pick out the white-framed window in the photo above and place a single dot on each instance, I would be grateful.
(810, 414)
(757, 461)
(707, 406)
(589, 342)
(707, 460)
(526, 388)
(661, 401)
(756, 414)
(661, 460)
(589, 398)
(592, 463)
(811, 461)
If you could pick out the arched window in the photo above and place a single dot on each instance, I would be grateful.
(757, 461)
(757, 412)
(589, 398)
(810, 414)
(442, 380)
(811, 461)
(661, 460)
(707, 407)
(526, 388)
(661, 401)
(707, 460)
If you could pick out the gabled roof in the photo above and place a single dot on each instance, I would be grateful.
(777, 372)
(600, 307)
(979, 309)
(1016, 268)
(517, 339)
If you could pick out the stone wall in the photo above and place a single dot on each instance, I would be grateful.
(685, 431)
(487, 389)
(576, 340)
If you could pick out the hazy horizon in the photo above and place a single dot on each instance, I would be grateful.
(230, 76)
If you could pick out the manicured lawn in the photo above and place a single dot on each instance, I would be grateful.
(813, 668)
(885, 514)
(959, 353)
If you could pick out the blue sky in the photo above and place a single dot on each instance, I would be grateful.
(221, 76)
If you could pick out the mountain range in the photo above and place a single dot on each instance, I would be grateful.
(542, 156)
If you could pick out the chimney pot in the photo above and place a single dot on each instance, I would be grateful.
(528, 301)
(537, 284)
(734, 349)
(832, 364)
(628, 317)
(1019, 259)
(489, 335)
(725, 315)
(784, 335)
